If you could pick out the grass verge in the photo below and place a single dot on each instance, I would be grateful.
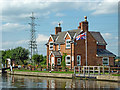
(68, 72)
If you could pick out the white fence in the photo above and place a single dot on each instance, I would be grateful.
(91, 70)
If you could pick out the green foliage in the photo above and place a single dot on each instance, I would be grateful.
(63, 64)
(39, 59)
(18, 54)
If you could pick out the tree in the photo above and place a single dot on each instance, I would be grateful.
(39, 59)
(44, 61)
(20, 54)
(36, 58)
(63, 64)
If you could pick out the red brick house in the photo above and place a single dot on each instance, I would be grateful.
(65, 42)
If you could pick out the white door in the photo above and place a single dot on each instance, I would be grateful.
(52, 60)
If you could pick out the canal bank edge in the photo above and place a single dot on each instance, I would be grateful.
(53, 75)
(62, 75)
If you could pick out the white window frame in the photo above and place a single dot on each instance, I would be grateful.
(58, 46)
(57, 61)
(105, 58)
(50, 46)
(79, 60)
(67, 60)
(68, 43)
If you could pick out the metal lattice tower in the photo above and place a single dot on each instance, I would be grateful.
(32, 42)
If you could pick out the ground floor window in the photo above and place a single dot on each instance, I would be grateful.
(68, 60)
(59, 61)
(105, 60)
(78, 60)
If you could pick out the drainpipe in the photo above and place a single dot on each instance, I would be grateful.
(71, 55)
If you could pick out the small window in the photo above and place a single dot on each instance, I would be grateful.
(59, 61)
(59, 47)
(105, 61)
(68, 60)
(51, 45)
(68, 43)
(78, 60)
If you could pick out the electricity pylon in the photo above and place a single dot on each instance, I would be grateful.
(32, 42)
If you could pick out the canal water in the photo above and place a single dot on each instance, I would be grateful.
(15, 81)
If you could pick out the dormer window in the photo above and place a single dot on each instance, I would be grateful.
(68, 43)
(51, 45)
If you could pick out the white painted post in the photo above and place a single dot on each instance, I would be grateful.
(10, 68)
(84, 71)
(79, 69)
(93, 70)
(103, 70)
(109, 69)
(99, 70)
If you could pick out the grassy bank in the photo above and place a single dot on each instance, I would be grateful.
(68, 72)
(115, 74)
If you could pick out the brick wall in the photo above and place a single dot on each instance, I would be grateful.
(111, 61)
(101, 46)
(80, 49)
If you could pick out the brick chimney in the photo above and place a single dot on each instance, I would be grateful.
(83, 25)
(58, 29)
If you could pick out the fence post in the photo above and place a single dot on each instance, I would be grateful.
(93, 70)
(79, 69)
(109, 69)
(99, 70)
(103, 70)
(74, 70)
(84, 71)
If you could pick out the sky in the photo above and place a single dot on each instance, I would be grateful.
(15, 16)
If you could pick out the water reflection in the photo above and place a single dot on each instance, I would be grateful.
(14, 81)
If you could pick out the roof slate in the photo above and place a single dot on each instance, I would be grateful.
(59, 38)
(104, 52)
(98, 38)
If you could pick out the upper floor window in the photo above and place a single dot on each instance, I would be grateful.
(51, 45)
(105, 60)
(59, 61)
(68, 60)
(68, 43)
(78, 60)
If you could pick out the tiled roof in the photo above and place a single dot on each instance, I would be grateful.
(98, 37)
(56, 53)
(54, 36)
(59, 38)
(104, 52)
(62, 34)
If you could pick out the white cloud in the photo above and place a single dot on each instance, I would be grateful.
(8, 27)
(14, 10)
(60, 14)
(56, 22)
(22, 42)
(105, 7)
(42, 38)
(41, 41)
(108, 36)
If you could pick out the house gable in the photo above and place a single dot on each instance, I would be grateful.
(51, 39)
(67, 36)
